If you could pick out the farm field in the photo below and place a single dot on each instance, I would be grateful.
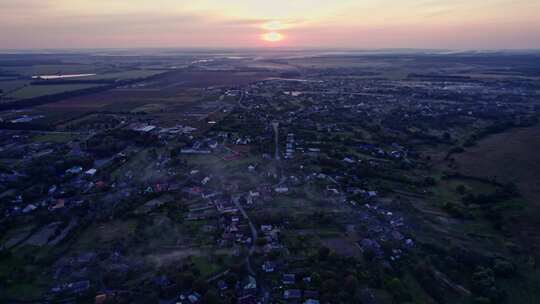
(51, 69)
(125, 75)
(7, 86)
(33, 91)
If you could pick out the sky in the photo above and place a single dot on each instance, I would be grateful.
(336, 24)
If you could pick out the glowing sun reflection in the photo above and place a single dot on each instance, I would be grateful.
(272, 37)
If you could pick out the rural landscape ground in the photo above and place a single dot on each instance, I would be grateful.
(258, 176)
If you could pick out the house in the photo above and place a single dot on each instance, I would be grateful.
(29, 208)
(86, 258)
(311, 294)
(60, 203)
(250, 283)
(161, 281)
(247, 299)
(194, 297)
(367, 296)
(222, 286)
(268, 266)
(292, 294)
(288, 279)
(144, 128)
(395, 154)
(209, 194)
(213, 144)
(266, 228)
(79, 287)
(349, 160)
(52, 189)
(100, 298)
(331, 190)
(194, 151)
(189, 298)
(205, 180)
(91, 172)
(281, 189)
(72, 288)
(74, 170)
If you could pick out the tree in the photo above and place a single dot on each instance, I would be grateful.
(460, 189)
(397, 289)
(231, 279)
(324, 252)
(316, 279)
(369, 254)
(351, 284)
(503, 268)
(173, 153)
(446, 136)
(511, 189)
(186, 280)
(430, 181)
(481, 300)
(483, 283)
(237, 268)
(200, 286)
(260, 241)
(329, 286)
(456, 150)
(210, 298)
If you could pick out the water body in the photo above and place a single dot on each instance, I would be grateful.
(59, 76)
(291, 79)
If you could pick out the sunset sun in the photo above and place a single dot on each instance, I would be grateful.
(272, 37)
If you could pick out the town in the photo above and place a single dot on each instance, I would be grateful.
(317, 179)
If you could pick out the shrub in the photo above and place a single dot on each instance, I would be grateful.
(503, 268)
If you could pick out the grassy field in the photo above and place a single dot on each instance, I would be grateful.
(33, 70)
(55, 137)
(105, 234)
(509, 157)
(32, 91)
(11, 85)
(445, 190)
(133, 74)
(102, 72)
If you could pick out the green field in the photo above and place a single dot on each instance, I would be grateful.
(125, 75)
(10, 85)
(55, 137)
(33, 70)
(33, 91)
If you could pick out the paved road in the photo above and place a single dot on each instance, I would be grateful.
(254, 235)
(275, 126)
(240, 104)
(263, 285)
